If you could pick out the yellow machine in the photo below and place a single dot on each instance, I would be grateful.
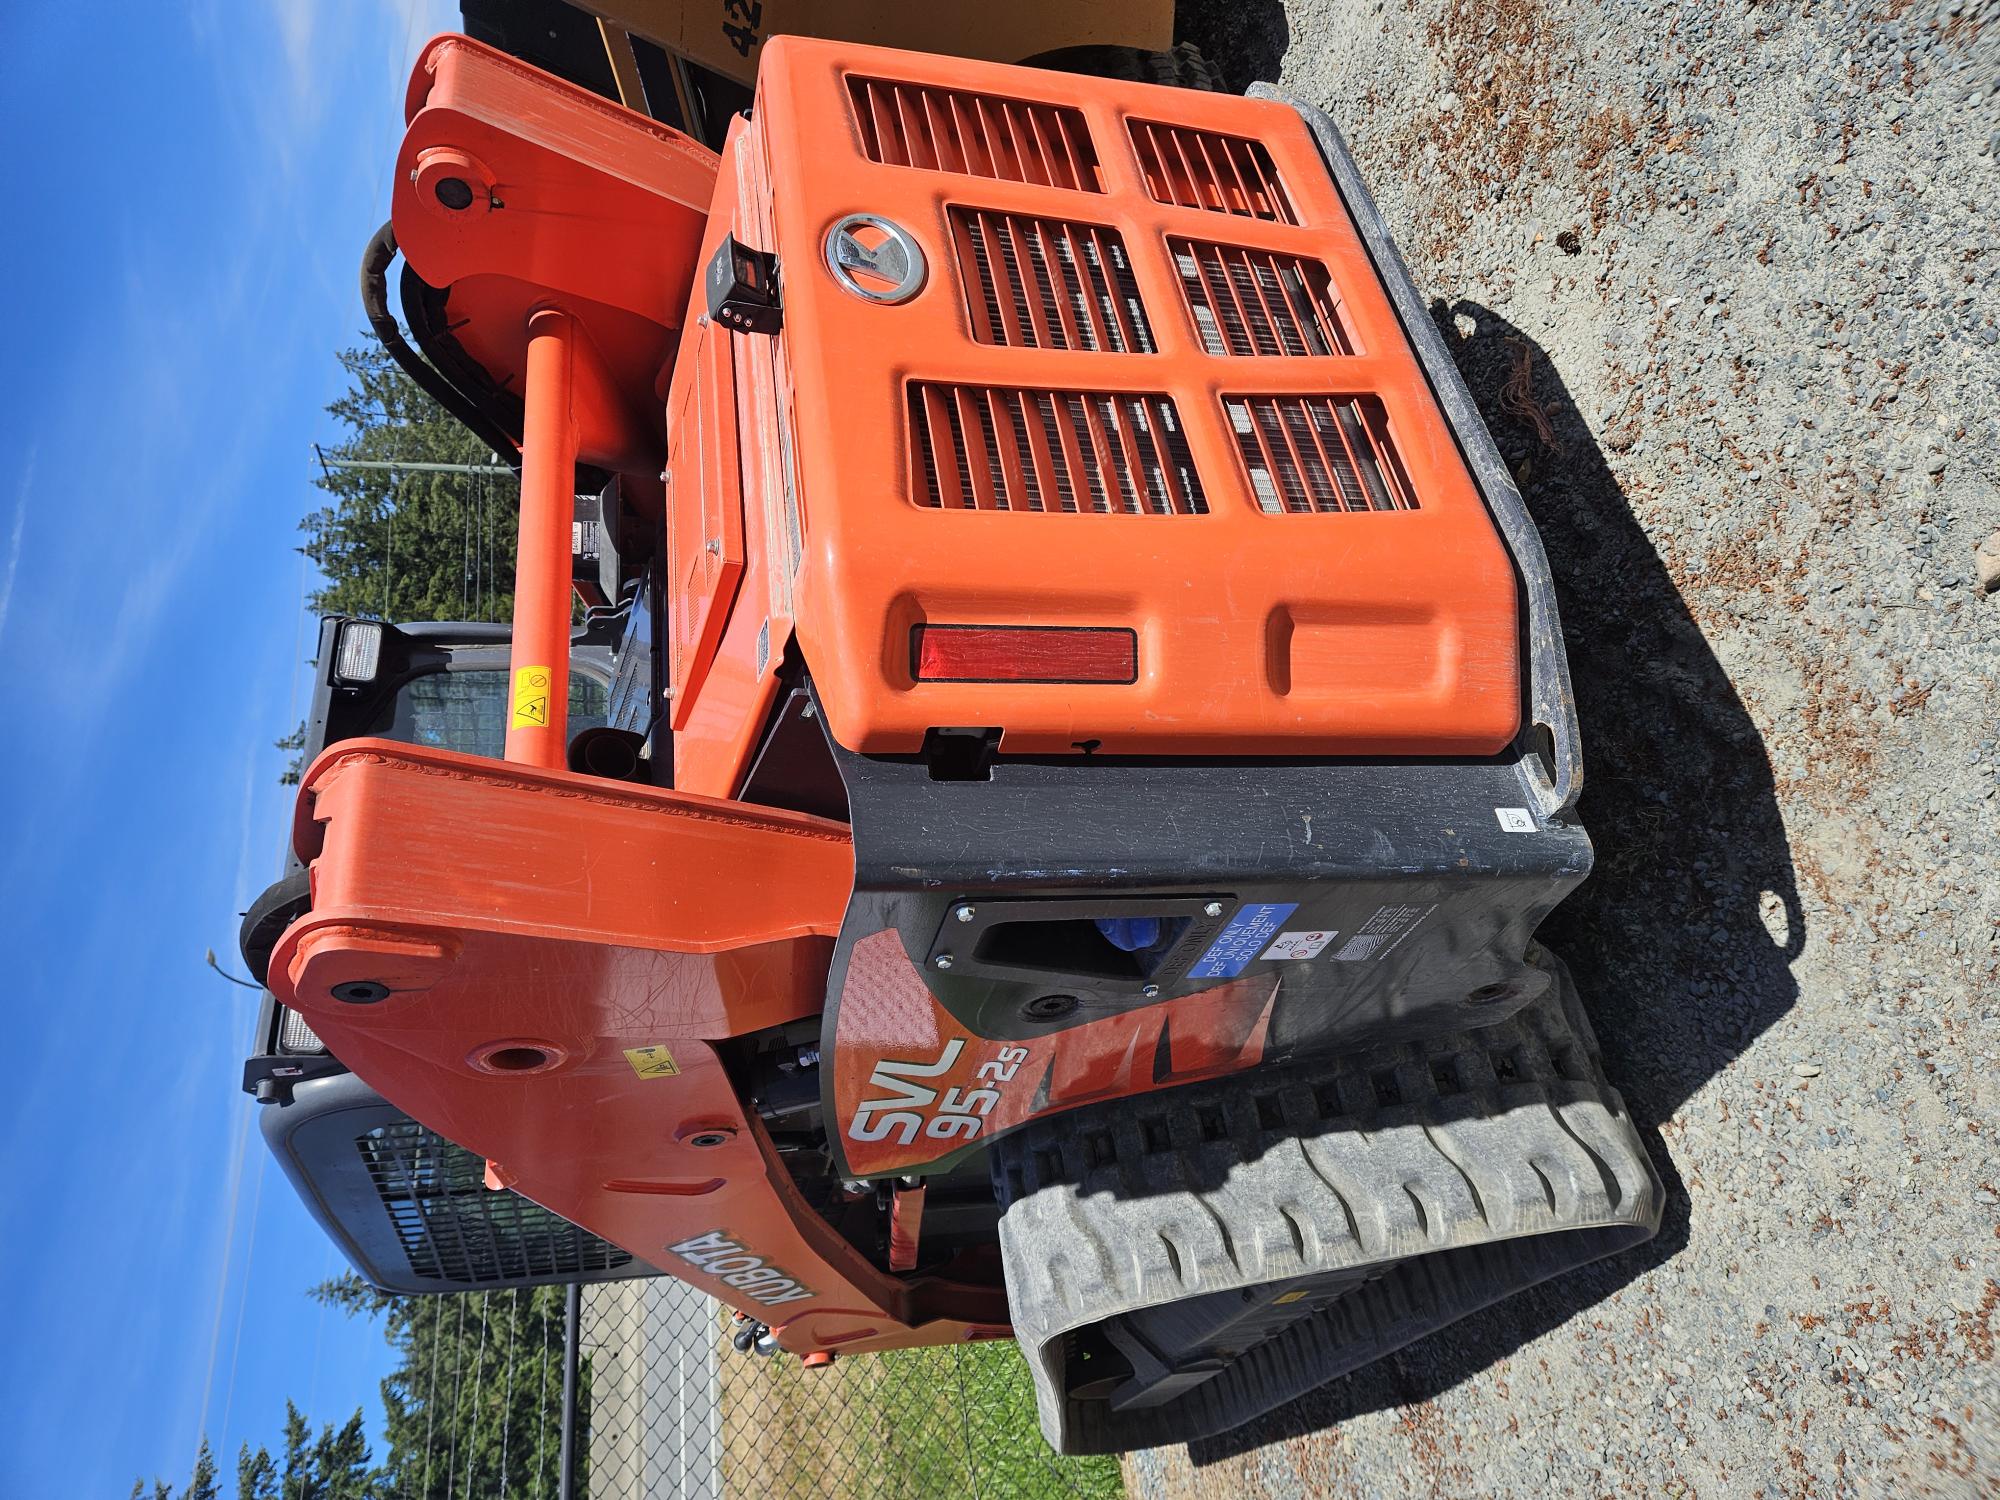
(691, 63)
(727, 35)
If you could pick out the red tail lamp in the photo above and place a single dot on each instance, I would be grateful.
(1023, 653)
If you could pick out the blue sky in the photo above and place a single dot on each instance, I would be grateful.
(191, 187)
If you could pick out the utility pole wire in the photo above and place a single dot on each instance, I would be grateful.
(478, 1377)
(542, 1427)
(457, 1385)
(411, 466)
(507, 1400)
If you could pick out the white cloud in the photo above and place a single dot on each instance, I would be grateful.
(295, 20)
(13, 565)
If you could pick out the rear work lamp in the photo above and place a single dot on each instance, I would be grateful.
(359, 655)
(1023, 653)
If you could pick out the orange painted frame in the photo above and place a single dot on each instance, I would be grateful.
(529, 927)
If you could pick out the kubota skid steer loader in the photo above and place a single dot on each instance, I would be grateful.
(1110, 751)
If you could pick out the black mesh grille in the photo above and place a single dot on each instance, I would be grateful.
(454, 1229)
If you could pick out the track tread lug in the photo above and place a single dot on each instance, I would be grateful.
(1457, 1170)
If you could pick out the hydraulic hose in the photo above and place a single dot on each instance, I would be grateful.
(375, 263)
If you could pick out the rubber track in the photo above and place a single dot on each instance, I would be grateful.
(1456, 1171)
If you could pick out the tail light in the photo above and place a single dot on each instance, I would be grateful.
(1023, 653)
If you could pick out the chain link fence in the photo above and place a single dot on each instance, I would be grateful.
(666, 1408)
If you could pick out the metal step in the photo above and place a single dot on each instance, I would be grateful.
(1178, 1264)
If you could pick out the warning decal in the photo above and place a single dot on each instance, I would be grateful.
(1292, 946)
(1381, 932)
(531, 698)
(652, 1062)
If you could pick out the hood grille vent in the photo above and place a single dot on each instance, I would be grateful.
(1223, 174)
(1248, 302)
(454, 1230)
(996, 448)
(1046, 284)
(978, 135)
(1309, 454)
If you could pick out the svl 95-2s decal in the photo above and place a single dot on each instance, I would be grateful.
(899, 1097)
(912, 1086)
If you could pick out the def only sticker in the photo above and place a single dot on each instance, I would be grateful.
(1243, 940)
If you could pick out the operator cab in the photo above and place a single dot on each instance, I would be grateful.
(409, 1208)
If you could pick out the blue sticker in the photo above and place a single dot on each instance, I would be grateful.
(1241, 941)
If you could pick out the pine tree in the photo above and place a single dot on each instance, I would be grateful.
(256, 1475)
(291, 1483)
(202, 1485)
(336, 1465)
(476, 1390)
(295, 744)
(340, 1467)
(402, 545)
(473, 1407)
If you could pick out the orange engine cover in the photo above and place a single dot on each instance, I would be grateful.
(1142, 377)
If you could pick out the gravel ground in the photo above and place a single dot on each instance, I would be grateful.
(1723, 279)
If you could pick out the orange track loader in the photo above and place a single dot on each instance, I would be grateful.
(1087, 752)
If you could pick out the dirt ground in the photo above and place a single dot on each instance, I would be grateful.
(1722, 279)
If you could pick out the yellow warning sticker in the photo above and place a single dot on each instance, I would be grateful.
(1298, 1296)
(531, 697)
(652, 1062)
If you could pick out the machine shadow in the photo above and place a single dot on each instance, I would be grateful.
(1681, 940)
(1244, 39)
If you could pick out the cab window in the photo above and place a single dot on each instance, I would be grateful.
(467, 710)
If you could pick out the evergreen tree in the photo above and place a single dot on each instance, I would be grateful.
(256, 1475)
(202, 1485)
(334, 1466)
(340, 1466)
(297, 1438)
(476, 1391)
(405, 545)
(295, 744)
(473, 1408)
